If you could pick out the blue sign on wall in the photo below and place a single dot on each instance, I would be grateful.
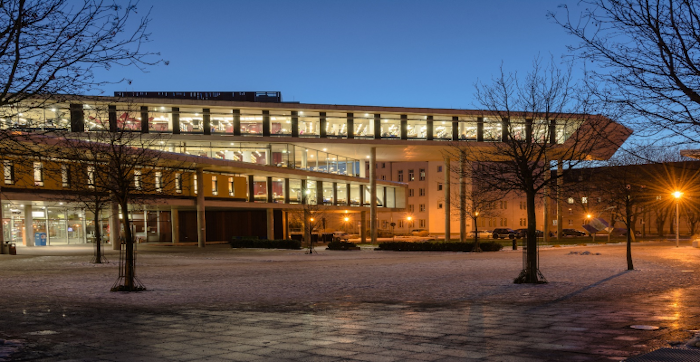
(39, 239)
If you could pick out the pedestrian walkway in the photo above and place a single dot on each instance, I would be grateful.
(354, 306)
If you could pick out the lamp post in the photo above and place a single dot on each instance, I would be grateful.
(589, 217)
(677, 195)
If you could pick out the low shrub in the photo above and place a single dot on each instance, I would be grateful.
(266, 244)
(341, 245)
(438, 246)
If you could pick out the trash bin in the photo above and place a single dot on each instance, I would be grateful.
(13, 248)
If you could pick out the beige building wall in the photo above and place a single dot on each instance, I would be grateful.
(511, 211)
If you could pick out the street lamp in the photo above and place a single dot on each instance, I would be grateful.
(589, 217)
(677, 195)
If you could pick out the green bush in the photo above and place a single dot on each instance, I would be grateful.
(438, 246)
(266, 244)
(341, 245)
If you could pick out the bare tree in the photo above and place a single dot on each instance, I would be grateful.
(647, 55)
(543, 118)
(126, 168)
(50, 50)
(310, 215)
(472, 202)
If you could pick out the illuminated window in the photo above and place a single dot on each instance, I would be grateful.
(230, 186)
(214, 186)
(194, 183)
(91, 176)
(65, 176)
(137, 179)
(38, 174)
(584, 200)
(9, 172)
(421, 174)
(570, 200)
(159, 181)
(178, 183)
(411, 176)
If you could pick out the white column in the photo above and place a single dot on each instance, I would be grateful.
(560, 185)
(175, 225)
(270, 224)
(373, 194)
(114, 227)
(462, 197)
(363, 168)
(201, 217)
(448, 200)
(28, 225)
(546, 201)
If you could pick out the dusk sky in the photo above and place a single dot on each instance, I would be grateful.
(388, 53)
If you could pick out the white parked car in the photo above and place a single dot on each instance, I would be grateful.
(482, 234)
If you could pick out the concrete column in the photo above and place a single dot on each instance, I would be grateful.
(201, 218)
(175, 224)
(363, 226)
(304, 160)
(363, 168)
(28, 225)
(270, 224)
(286, 224)
(462, 197)
(560, 184)
(448, 199)
(546, 201)
(115, 227)
(2, 232)
(373, 194)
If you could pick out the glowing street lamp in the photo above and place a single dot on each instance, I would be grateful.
(677, 195)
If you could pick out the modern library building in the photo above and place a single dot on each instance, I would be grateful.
(256, 161)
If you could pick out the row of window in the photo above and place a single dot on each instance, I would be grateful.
(405, 223)
(66, 182)
(411, 175)
(493, 222)
(421, 192)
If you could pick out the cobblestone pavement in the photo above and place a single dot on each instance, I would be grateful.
(400, 307)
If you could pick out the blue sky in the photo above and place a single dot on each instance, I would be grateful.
(386, 53)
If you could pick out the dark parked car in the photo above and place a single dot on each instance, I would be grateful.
(521, 233)
(572, 232)
(503, 233)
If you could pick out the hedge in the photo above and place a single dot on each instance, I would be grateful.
(266, 244)
(341, 245)
(438, 246)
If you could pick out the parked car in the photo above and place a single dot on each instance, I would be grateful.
(503, 233)
(340, 236)
(419, 232)
(481, 234)
(572, 232)
(521, 233)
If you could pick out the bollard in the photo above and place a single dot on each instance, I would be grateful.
(515, 244)
(13, 249)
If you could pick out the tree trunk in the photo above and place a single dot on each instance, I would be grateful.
(476, 247)
(129, 264)
(628, 218)
(98, 237)
(530, 274)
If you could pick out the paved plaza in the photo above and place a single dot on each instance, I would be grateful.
(222, 304)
